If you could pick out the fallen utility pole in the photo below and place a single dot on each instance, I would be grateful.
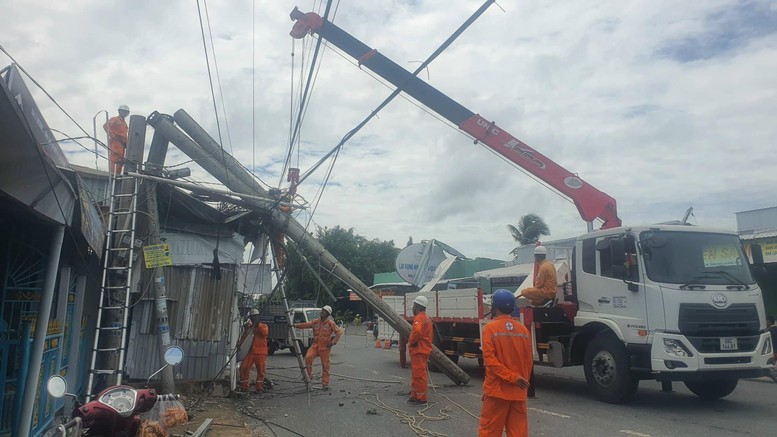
(210, 156)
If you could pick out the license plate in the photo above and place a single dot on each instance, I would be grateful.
(728, 344)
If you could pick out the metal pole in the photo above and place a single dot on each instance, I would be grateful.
(208, 154)
(107, 137)
(41, 326)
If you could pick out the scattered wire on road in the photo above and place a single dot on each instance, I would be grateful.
(380, 381)
(448, 398)
(267, 423)
(413, 421)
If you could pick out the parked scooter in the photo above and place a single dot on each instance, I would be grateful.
(115, 411)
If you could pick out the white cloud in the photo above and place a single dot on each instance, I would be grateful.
(656, 103)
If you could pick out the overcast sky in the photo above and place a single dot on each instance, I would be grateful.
(660, 104)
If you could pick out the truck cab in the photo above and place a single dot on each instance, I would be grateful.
(667, 302)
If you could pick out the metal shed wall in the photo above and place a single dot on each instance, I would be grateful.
(200, 313)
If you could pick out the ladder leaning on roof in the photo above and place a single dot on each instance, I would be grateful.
(108, 352)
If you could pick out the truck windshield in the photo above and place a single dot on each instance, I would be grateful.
(313, 314)
(695, 258)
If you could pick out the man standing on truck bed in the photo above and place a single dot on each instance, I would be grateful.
(325, 335)
(507, 355)
(420, 345)
(544, 289)
(258, 354)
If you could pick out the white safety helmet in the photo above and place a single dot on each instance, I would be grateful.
(124, 108)
(421, 300)
(540, 250)
(327, 308)
(254, 312)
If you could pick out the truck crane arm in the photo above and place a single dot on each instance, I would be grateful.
(590, 202)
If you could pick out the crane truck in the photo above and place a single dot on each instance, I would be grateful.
(661, 302)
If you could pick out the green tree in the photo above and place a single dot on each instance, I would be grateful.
(529, 230)
(362, 256)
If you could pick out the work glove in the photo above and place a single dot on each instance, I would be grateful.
(522, 383)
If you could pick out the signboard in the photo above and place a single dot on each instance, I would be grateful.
(768, 247)
(416, 263)
(721, 255)
(157, 255)
(92, 226)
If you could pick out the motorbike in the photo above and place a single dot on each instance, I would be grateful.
(115, 411)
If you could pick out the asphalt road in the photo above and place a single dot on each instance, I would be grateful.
(562, 407)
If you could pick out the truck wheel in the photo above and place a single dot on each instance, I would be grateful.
(607, 369)
(712, 389)
(271, 348)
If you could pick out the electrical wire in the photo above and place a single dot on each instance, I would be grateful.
(455, 128)
(53, 100)
(212, 91)
(304, 98)
(218, 77)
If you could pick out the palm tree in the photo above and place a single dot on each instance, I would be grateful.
(530, 228)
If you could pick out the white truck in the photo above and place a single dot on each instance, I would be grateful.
(279, 337)
(672, 303)
(666, 302)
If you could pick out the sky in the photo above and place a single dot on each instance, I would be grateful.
(663, 105)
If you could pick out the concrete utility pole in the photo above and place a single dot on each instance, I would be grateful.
(156, 159)
(207, 153)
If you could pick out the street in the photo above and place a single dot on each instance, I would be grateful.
(364, 400)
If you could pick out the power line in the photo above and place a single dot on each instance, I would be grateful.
(53, 100)
(218, 77)
(212, 91)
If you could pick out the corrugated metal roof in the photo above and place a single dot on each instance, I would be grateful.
(759, 235)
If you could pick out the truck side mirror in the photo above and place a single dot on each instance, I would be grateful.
(619, 271)
(618, 252)
(758, 254)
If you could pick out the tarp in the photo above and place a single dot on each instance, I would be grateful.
(517, 270)
(188, 249)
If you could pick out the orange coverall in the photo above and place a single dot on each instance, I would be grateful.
(322, 344)
(117, 131)
(420, 345)
(544, 285)
(507, 354)
(256, 357)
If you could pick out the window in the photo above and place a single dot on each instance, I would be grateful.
(589, 256)
(299, 317)
(606, 263)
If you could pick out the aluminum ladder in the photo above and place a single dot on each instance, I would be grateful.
(110, 339)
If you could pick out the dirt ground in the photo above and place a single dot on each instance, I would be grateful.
(227, 420)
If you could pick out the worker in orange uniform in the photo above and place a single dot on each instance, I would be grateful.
(420, 345)
(258, 354)
(325, 335)
(507, 355)
(545, 284)
(117, 131)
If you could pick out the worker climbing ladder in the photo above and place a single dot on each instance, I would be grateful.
(110, 340)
